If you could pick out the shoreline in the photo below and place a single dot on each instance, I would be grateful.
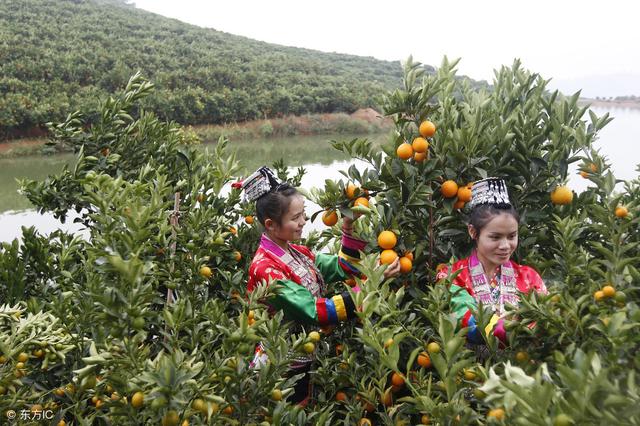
(602, 103)
(362, 121)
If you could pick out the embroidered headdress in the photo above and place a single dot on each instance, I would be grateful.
(490, 191)
(259, 183)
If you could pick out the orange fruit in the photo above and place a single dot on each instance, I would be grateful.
(314, 336)
(459, 204)
(233, 230)
(388, 256)
(309, 347)
(387, 240)
(419, 157)
(409, 255)
(584, 174)
(23, 357)
(427, 129)
(449, 189)
(350, 191)
(237, 256)
(341, 396)
(562, 195)
(621, 211)
(205, 271)
(433, 348)
(593, 167)
(425, 420)
(276, 395)
(464, 194)
(330, 217)
(522, 356)
(469, 375)
(361, 201)
(405, 265)
(228, 410)
(404, 151)
(420, 145)
(248, 219)
(364, 422)
(424, 360)
(397, 379)
(496, 413)
(608, 291)
(137, 400)
(598, 295)
(388, 343)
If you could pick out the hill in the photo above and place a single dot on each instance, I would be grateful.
(63, 55)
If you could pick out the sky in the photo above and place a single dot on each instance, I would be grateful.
(593, 45)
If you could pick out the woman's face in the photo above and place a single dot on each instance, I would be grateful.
(290, 229)
(497, 241)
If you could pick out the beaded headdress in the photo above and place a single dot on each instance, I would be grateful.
(259, 183)
(490, 191)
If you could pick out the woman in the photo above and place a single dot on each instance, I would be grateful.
(301, 274)
(488, 275)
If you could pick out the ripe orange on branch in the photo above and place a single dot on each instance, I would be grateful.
(449, 189)
(424, 360)
(420, 145)
(464, 194)
(427, 129)
(387, 257)
(350, 191)
(387, 240)
(419, 157)
(562, 195)
(361, 201)
(404, 151)
(405, 265)
(621, 211)
(330, 217)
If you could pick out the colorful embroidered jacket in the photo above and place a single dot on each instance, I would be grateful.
(470, 287)
(303, 275)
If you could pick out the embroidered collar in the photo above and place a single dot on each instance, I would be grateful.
(299, 263)
(506, 281)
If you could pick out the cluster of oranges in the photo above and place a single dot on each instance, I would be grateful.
(450, 189)
(609, 292)
(419, 148)
(330, 216)
(387, 241)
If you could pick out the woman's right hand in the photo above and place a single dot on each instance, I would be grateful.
(393, 269)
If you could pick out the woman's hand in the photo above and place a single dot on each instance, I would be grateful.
(347, 223)
(393, 269)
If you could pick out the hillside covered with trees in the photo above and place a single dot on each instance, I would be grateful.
(63, 55)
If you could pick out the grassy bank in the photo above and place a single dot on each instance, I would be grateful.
(365, 121)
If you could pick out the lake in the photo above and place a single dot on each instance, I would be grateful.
(616, 141)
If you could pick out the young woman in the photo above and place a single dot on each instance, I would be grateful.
(488, 275)
(303, 275)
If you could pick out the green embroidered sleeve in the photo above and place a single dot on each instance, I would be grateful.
(296, 301)
(461, 302)
(329, 267)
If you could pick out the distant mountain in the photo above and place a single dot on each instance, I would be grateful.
(602, 86)
(61, 55)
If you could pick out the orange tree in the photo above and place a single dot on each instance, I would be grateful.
(573, 365)
(143, 319)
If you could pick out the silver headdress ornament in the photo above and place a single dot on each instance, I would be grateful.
(259, 183)
(491, 190)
